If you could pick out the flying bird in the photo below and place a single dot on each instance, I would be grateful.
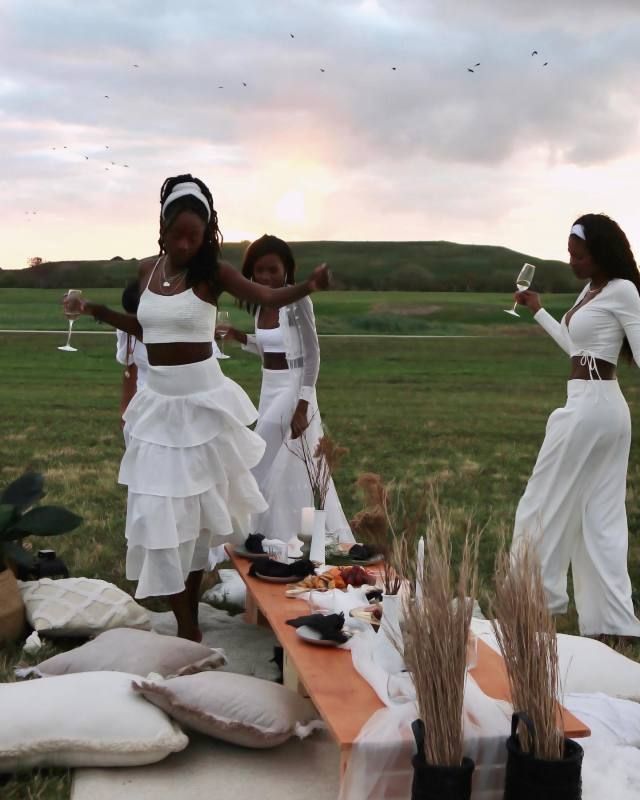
(136, 65)
(107, 97)
(477, 65)
(394, 68)
(292, 36)
(220, 87)
(545, 64)
(534, 52)
(322, 70)
(243, 83)
(469, 69)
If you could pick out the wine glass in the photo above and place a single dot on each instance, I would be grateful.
(72, 317)
(523, 281)
(223, 318)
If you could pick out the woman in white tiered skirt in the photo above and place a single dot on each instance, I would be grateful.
(189, 456)
(287, 343)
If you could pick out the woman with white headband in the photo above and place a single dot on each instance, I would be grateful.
(287, 344)
(190, 453)
(574, 504)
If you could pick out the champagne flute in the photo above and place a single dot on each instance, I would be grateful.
(523, 282)
(72, 317)
(223, 318)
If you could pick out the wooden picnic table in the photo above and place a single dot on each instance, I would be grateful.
(343, 698)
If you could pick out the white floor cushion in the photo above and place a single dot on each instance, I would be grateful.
(132, 651)
(89, 719)
(586, 665)
(235, 708)
(80, 607)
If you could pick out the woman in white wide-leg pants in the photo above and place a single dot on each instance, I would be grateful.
(573, 508)
(287, 343)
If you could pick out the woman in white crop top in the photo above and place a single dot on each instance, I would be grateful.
(189, 457)
(574, 504)
(287, 343)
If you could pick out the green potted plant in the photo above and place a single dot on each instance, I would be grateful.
(19, 518)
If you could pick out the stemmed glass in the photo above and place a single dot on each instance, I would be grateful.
(523, 282)
(223, 318)
(72, 317)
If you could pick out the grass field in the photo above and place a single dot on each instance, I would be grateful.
(469, 412)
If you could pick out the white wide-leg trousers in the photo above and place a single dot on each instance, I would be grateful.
(573, 508)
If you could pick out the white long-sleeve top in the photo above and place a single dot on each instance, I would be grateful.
(598, 328)
(302, 349)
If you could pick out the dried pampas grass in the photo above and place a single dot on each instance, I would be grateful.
(526, 635)
(436, 625)
(390, 523)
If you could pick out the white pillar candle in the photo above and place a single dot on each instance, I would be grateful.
(306, 521)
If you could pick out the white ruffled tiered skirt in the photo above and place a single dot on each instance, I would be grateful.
(281, 474)
(188, 470)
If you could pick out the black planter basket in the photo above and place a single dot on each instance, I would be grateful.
(530, 778)
(438, 783)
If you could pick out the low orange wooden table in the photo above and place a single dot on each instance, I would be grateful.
(326, 674)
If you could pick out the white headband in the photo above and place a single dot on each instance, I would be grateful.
(182, 190)
(578, 230)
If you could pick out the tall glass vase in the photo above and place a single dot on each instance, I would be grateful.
(317, 552)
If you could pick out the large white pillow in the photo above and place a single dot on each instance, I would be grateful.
(586, 665)
(132, 651)
(235, 708)
(589, 666)
(88, 719)
(80, 607)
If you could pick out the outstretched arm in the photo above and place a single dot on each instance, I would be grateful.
(255, 294)
(123, 322)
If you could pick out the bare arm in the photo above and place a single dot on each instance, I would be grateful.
(118, 319)
(237, 285)
(123, 322)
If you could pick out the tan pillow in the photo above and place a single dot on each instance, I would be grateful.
(133, 651)
(88, 720)
(235, 708)
(80, 607)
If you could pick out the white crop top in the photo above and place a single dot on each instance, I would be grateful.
(270, 340)
(598, 328)
(181, 317)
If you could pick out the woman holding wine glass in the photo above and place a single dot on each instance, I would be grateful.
(574, 504)
(189, 456)
(287, 344)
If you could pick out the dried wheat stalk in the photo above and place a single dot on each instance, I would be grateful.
(436, 628)
(390, 523)
(320, 464)
(526, 635)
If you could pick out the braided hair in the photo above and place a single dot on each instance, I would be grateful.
(268, 245)
(610, 250)
(203, 267)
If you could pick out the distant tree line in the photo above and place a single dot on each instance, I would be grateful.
(373, 266)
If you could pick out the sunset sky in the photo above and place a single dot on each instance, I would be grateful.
(508, 154)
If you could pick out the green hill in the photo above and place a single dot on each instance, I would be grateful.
(377, 266)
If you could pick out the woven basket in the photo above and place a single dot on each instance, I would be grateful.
(12, 616)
